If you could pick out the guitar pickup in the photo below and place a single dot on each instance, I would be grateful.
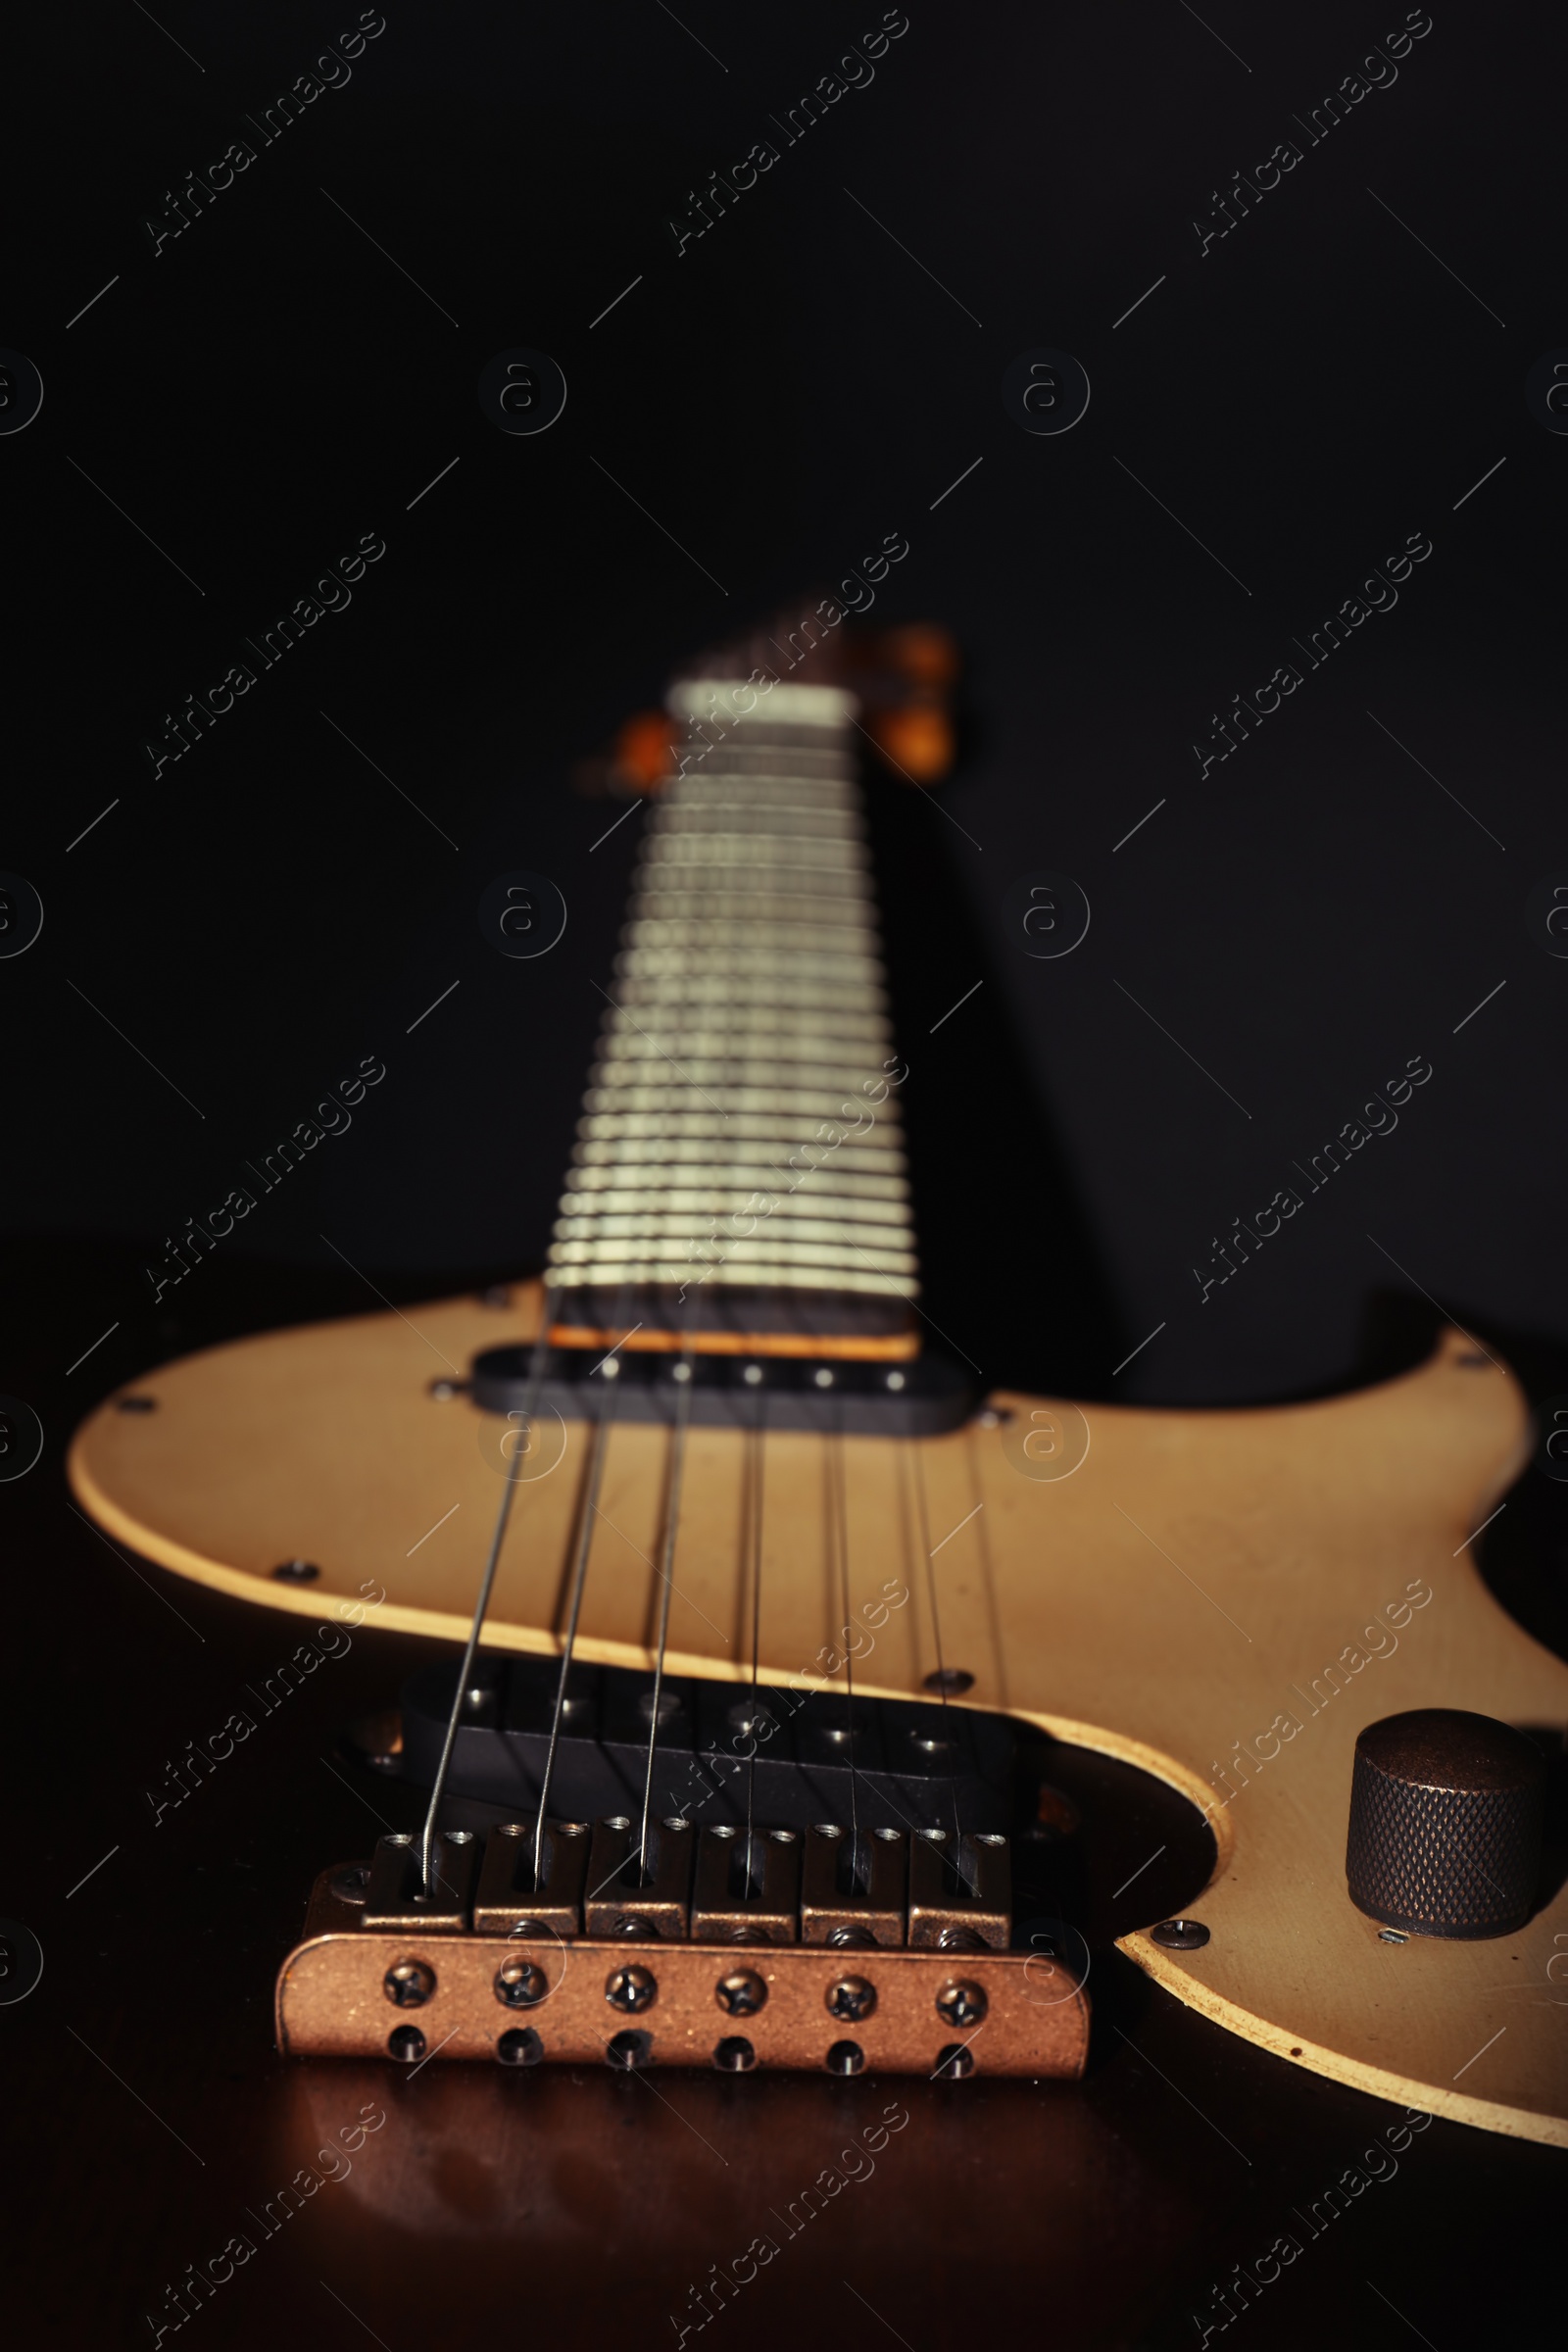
(960, 1892)
(510, 1901)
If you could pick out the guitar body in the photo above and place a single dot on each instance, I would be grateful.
(1222, 1598)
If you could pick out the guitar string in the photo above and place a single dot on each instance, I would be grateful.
(756, 1444)
(579, 1578)
(916, 1458)
(536, 1373)
(672, 1503)
(841, 1532)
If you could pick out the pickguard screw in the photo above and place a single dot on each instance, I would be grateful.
(631, 1990)
(520, 1984)
(1180, 1934)
(851, 2000)
(409, 1984)
(741, 1994)
(960, 2005)
(135, 1404)
(296, 1572)
(350, 1886)
(951, 1680)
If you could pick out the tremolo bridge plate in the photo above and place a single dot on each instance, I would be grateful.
(351, 1990)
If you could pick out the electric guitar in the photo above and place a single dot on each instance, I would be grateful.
(782, 1647)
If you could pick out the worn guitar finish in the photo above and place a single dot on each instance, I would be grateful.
(1175, 1600)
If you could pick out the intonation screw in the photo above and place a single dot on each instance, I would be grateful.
(851, 1998)
(741, 1993)
(521, 1985)
(961, 2004)
(631, 1990)
(409, 1984)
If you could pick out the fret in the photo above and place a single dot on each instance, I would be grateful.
(746, 1031)
(688, 1181)
(624, 1129)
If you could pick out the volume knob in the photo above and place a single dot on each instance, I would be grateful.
(1446, 1824)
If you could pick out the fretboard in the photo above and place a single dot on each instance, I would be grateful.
(739, 1172)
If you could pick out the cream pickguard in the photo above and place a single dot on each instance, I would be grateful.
(1182, 1591)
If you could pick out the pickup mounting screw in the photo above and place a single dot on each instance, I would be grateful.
(741, 1994)
(1180, 1934)
(521, 1985)
(631, 1990)
(409, 1984)
(851, 1998)
(949, 1681)
(961, 2004)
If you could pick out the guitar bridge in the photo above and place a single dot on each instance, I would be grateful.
(780, 1947)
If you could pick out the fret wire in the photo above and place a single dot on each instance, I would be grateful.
(749, 976)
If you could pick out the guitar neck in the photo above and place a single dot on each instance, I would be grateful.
(738, 1182)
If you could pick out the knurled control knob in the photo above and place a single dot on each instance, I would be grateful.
(1446, 1824)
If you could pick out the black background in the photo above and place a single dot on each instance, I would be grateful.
(1304, 396)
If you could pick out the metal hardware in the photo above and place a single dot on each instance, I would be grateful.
(296, 1572)
(521, 2048)
(961, 2004)
(1180, 1934)
(619, 1894)
(333, 1992)
(851, 2000)
(409, 1984)
(523, 1984)
(854, 1896)
(631, 1990)
(741, 1994)
(396, 1898)
(746, 1890)
(508, 1900)
(960, 1892)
